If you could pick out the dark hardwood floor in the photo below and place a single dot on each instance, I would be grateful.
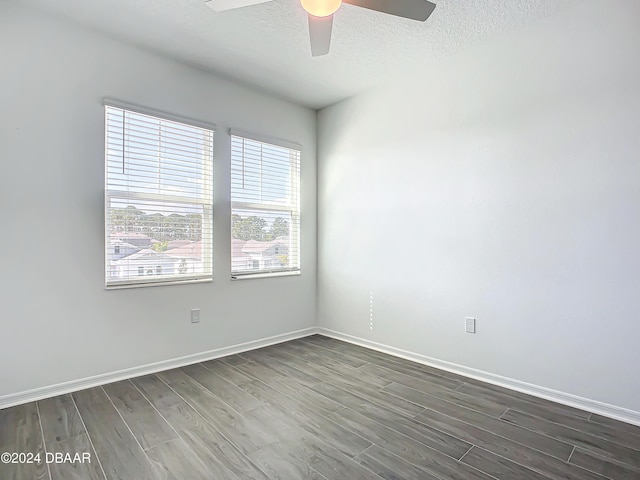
(314, 408)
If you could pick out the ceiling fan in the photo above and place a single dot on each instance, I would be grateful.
(321, 14)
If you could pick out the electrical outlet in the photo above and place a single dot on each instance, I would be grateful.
(470, 324)
(195, 315)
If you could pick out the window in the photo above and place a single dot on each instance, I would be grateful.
(265, 206)
(158, 199)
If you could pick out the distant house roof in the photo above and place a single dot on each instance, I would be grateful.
(254, 246)
(135, 238)
(122, 244)
(191, 250)
(236, 249)
(144, 254)
(178, 243)
(130, 235)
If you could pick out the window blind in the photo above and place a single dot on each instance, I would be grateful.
(158, 200)
(265, 207)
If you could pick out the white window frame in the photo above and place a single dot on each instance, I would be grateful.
(207, 243)
(293, 209)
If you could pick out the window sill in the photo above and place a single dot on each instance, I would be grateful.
(158, 284)
(250, 276)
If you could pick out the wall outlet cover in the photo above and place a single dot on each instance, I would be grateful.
(470, 324)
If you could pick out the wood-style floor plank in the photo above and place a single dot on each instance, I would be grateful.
(515, 433)
(228, 372)
(20, 433)
(410, 380)
(308, 344)
(246, 437)
(313, 355)
(234, 396)
(174, 460)
(330, 463)
(552, 467)
(499, 467)
(417, 431)
(383, 359)
(370, 395)
(315, 408)
(323, 344)
(391, 467)
(460, 399)
(604, 466)
(607, 432)
(282, 463)
(617, 424)
(301, 394)
(222, 459)
(120, 455)
(329, 353)
(287, 371)
(530, 400)
(519, 401)
(398, 443)
(297, 447)
(81, 470)
(234, 359)
(146, 424)
(64, 433)
(336, 435)
(420, 371)
(323, 371)
(579, 438)
(60, 419)
(157, 392)
(395, 470)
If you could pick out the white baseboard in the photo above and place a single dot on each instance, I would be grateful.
(97, 380)
(611, 411)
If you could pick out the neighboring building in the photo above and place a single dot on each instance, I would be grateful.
(144, 262)
(128, 260)
(178, 243)
(188, 255)
(239, 259)
(139, 240)
(118, 249)
(263, 255)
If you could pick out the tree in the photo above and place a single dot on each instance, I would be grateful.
(156, 225)
(160, 246)
(194, 227)
(125, 219)
(249, 228)
(280, 228)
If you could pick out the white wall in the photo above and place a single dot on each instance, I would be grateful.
(504, 184)
(58, 322)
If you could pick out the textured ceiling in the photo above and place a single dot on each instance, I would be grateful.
(267, 45)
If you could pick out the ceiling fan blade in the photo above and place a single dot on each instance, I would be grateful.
(320, 34)
(414, 9)
(223, 5)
